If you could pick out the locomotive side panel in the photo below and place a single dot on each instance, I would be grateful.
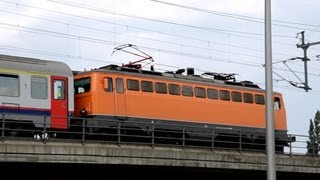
(201, 110)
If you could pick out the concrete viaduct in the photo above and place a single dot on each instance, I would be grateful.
(59, 154)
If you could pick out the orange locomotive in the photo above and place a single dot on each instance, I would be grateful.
(135, 95)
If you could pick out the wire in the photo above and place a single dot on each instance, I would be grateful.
(144, 29)
(171, 52)
(151, 39)
(293, 73)
(72, 57)
(89, 39)
(235, 16)
(224, 31)
(80, 26)
(53, 54)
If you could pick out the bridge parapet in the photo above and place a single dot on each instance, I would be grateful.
(95, 153)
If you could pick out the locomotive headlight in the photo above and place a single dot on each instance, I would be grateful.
(83, 111)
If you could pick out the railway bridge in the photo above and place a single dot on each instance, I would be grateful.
(139, 160)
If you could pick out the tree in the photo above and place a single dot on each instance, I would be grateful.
(314, 135)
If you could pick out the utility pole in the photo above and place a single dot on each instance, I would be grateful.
(270, 142)
(305, 59)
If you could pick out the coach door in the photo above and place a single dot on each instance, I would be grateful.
(59, 102)
(120, 98)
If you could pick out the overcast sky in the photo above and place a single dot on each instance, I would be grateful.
(209, 35)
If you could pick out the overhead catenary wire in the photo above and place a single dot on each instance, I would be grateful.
(295, 84)
(140, 28)
(85, 38)
(101, 41)
(291, 60)
(54, 54)
(81, 58)
(151, 39)
(169, 22)
(235, 16)
(161, 21)
(313, 32)
(224, 31)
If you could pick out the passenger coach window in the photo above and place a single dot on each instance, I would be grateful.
(9, 85)
(187, 91)
(119, 85)
(133, 85)
(59, 89)
(259, 99)
(200, 92)
(247, 98)
(236, 96)
(146, 86)
(82, 85)
(212, 93)
(39, 87)
(174, 89)
(224, 95)
(161, 88)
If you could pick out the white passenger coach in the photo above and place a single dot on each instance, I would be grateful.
(36, 91)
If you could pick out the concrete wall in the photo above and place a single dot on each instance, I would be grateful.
(59, 152)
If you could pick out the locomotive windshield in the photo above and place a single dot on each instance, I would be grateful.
(82, 85)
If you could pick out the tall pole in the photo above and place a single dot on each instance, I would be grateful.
(271, 165)
(305, 60)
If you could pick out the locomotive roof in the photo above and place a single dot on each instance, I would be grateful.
(217, 80)
(35, 65)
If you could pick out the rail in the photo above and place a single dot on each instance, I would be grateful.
(127, 132)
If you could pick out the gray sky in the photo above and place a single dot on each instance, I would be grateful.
(218, 36)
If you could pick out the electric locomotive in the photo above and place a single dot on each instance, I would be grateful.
(176, 104)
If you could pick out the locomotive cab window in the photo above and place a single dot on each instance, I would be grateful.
(58, 89)
(224, 95)
(146, 86)
(39, 87)
(133, 85)
(82, 85)
(161, 88)
(9, 85)
(108, 84)
(276, 103)
(187, 91)
(259, 99)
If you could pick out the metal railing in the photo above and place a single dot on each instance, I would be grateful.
(147, 133)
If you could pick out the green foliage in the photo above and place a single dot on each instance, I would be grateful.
(314, 135)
